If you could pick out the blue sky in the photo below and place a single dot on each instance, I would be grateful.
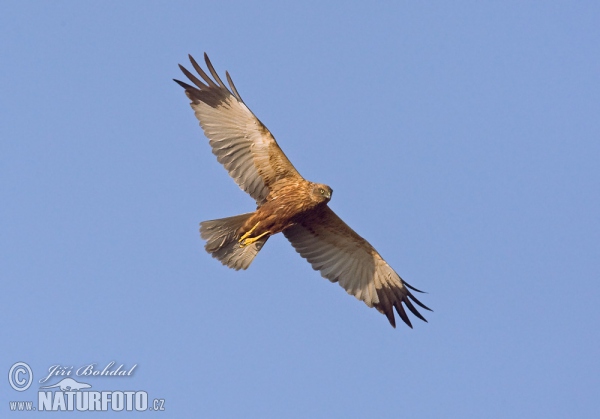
(462, 140)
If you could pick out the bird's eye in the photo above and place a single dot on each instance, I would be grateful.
(322, 191)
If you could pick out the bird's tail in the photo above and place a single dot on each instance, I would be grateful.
(222, 237)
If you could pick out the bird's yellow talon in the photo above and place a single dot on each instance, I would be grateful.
(247, 241)
(247, 234)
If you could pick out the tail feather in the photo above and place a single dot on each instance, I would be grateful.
(222, 241)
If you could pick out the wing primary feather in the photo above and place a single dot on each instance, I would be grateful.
(389, 313)
(414, 311)
(207, 79)
(233, 89)
(184, 85)
(402, 313)
(213, 72)
(193, 78)
(385, 306)
(413, 288)
(417, 301)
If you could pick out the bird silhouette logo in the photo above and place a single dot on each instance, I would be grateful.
(68, 384)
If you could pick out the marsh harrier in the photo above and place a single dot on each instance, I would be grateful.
(286, 203)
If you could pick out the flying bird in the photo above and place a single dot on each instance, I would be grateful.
(286, 203)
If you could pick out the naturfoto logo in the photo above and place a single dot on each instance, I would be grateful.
(71, 394)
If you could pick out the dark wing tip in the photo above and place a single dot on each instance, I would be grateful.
(233, 89)
(402, 313)
(412, 288)
(210, 90)
(388, 311)
(184, 85)
(212, 70)
(206, 90)
(413, 310)
(412, 297)
(398, 297)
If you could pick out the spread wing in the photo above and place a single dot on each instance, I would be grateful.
(239, 140)
(342, 256)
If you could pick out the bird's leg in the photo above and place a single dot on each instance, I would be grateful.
(247, 234)
(246, 242)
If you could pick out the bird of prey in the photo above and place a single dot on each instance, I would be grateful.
(286, 203)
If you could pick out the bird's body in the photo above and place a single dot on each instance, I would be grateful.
(289, 203)
(284, 207)
(286, 202)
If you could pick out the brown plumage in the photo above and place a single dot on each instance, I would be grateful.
(286, 202)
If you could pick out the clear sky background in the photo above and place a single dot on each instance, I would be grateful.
(462, 139)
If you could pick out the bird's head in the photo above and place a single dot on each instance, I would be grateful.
(321, 193)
